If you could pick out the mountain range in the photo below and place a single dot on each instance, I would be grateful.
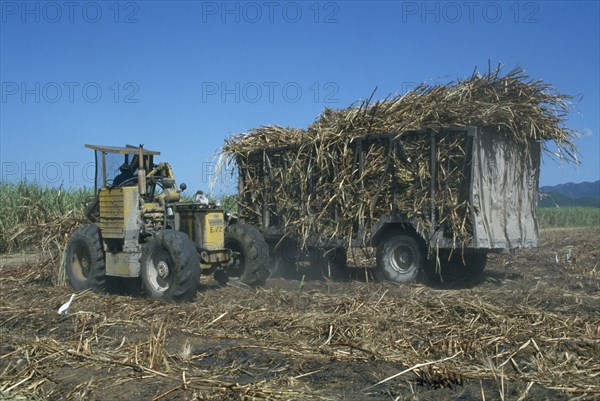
(571, 194)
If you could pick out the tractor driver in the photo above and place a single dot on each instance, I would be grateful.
(126, 174)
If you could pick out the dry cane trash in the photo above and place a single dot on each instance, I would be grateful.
(309, 179)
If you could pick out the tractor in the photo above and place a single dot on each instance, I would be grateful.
(141, 230)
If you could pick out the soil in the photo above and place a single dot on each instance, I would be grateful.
(529, 328)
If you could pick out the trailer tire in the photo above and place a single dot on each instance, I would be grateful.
(284, 259)
(330, 263)
(399, 259)
(170, 267)
(457, 267)
(85, 265)
(251, 254)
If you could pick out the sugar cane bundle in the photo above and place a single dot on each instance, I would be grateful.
(308, 178)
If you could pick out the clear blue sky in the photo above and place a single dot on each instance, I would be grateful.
(182, 76)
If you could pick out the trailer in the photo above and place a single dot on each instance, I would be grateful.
(433, 201)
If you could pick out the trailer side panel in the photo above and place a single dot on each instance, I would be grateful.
(504, 192)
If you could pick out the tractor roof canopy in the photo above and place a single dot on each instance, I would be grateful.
(114, 160)
(127, 150)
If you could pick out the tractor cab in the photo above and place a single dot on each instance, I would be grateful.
(133, 166)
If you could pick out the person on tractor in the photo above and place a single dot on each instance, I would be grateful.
(127, 173)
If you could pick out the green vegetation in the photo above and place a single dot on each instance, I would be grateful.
(570, 216)
(24, 207)
(31, 203)
(229, 203)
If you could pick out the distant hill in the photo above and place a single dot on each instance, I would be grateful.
(571, 194)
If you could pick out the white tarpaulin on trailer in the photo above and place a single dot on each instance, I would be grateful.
(504, 192)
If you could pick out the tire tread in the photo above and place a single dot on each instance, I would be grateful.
(256, 252)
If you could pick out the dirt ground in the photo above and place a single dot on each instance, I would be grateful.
(529, 329)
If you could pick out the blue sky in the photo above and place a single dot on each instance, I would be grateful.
(180, 77)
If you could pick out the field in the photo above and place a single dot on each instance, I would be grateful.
(571, 216)
(530, 329)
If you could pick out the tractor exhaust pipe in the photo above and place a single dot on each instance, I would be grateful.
(141, 172)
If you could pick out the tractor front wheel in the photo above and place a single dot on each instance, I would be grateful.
(85, 265)
(170, 267)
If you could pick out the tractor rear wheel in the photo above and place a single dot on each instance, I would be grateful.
(251, 254)
(85, 265)
(399, 258)
(170, 267)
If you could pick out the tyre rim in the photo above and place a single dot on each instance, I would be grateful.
(402, 259)
(81, 264)
(158, 271)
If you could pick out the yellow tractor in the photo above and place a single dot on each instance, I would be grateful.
(141, 230)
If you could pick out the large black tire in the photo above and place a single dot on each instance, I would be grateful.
(85, 265)
(399, 258)
(284, 259)
(458, 266)
(330, 263)
(251, 253)
(170, 267)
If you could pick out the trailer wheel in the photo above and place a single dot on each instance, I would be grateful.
(170, 267)
(458, 267)
(330, 263)
(85, 265)
(284, 259)
(337, 264)
(476, 265)
(251, 254)
(399, 258)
